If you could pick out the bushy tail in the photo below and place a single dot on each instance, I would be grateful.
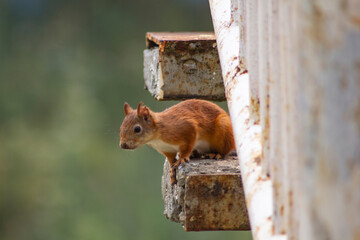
(224, 135)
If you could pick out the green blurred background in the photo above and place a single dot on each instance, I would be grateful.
(66, 68)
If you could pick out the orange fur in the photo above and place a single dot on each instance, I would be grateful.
(182, 128)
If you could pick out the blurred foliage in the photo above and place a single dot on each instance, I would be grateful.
(66, 68)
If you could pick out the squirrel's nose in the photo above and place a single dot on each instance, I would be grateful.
(124, 146)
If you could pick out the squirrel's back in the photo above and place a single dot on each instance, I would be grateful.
(200, 110)
(212, 123)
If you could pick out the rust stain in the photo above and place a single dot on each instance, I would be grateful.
(247, 121)
(255, 104)
(257, 229)
(282, 210)
(162, 46)
(344, 82)
(316, 30)
(356, 22)
(158, 37)
(356, 116)
(257, 160)
(231, 22)
(357, 233)
(232, 74)
(223, 210)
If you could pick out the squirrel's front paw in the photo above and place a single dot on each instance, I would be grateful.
(182, 161)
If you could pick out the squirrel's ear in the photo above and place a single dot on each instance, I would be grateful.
(143, 111)
(127, 108)
(139, 108)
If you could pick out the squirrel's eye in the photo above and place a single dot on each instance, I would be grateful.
(137, 129)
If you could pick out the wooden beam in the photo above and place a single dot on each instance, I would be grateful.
(182, 66)
(208, 195)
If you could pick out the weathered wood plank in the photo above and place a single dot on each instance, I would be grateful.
(183, 65)
(208, 195)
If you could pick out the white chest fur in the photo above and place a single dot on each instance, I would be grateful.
(200, 145)
(162, 146)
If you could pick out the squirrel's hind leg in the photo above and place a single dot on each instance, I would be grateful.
(171, 157)
(185, 152)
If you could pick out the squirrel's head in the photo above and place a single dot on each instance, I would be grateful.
(137, 128)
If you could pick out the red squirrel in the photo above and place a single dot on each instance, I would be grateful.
(191, 125)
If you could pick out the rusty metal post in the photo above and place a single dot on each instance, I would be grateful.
(314, 93)
(323, 79)
(277, 131)
(228, 16)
